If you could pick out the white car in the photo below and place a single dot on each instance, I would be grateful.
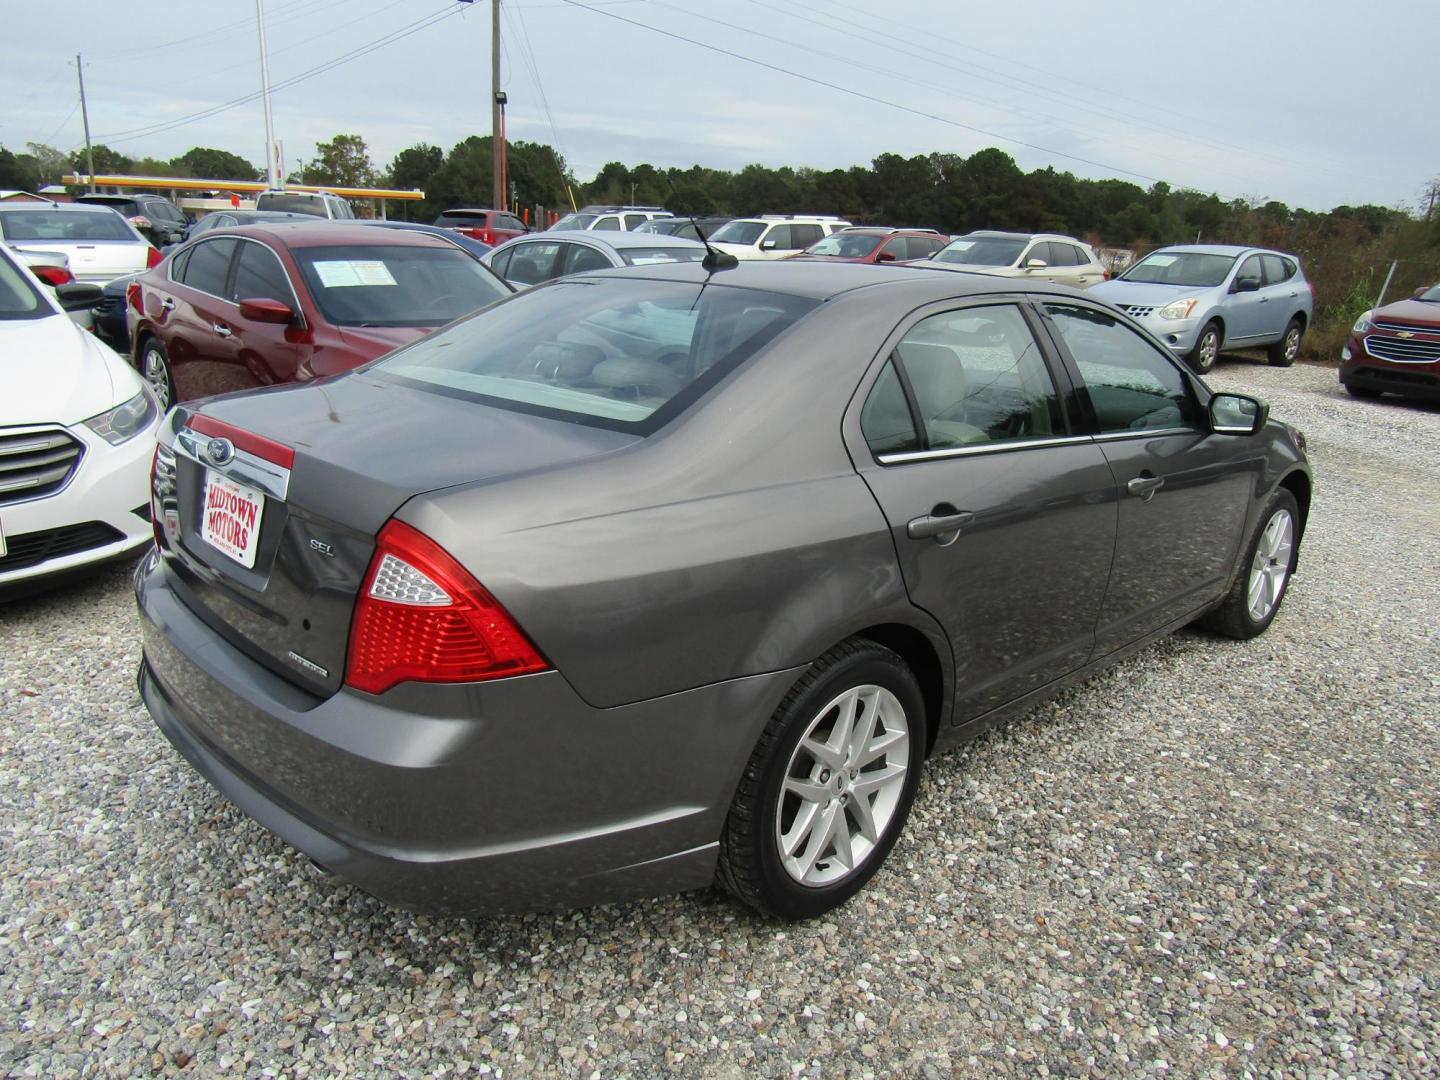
(100, 244)
(77, 433)
(774, 236)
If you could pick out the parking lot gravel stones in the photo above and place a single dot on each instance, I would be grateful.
(1218, 859)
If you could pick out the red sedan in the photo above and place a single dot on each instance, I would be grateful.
(264, 304)
(875, 245)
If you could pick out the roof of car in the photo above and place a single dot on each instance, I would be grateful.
(1216, 249)
(824, 280)
(9, 207)
(997, 233)
(322, 233)
(616, 240)
(472, 210)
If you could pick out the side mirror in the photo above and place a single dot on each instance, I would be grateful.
(1036, 264)
(1245, 284)
(1421, 291)
(267, 311)
(79, 295)
(1236, 414)
(885, 256)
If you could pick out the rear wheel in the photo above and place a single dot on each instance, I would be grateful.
(828, 787)
(1284, 351)
(155, 367)
(1207, 349)
(1254, 598)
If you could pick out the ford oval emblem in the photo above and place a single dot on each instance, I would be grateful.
(220, 451)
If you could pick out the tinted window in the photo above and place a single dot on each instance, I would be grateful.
(978, 378)
(574, 221)
(297, 203)
(532, 263)
(802, 236)
(501, 261)
(1132, 386)
(1277, 269)
(608, 223)
(18, 297)
(1039, 251)
(1252, 269)
(984, 251)
(97, 224)
(738, 232)
(649, 256)
(632, 220)
(466, 219)
(1180, 268)
(624, 353)
(395, 285)
(899, 248)
(511, 223)
(580, 258)
(845, 245)
(209, 265)
(885, 419)
(1065, 254)
(259, 276)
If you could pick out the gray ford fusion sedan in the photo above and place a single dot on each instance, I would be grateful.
(655, 577)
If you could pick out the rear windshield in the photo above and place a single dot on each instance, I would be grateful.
(293, 204)
(647, 256)
(124, 205)
(985, 251)
(18, 297)
(63, 225)
(1180, 268)
(846, 245)
(575, 221)
(461, 217)
(626, 354)
(738, 232)
(391, 285)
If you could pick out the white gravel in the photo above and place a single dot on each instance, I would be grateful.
(1219, 859)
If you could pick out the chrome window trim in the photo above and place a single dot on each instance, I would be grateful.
(192, 288)
(905, 457)
(294, 296)
(244, 467)
(1148, 433)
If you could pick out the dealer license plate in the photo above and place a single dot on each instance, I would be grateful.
(231, 519)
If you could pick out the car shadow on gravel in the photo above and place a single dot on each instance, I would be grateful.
(44, 596)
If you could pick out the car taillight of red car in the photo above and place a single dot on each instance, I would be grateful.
(153, 258)
(132, 297)
(53, 275)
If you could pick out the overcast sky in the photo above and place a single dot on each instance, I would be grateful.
(1312, 102)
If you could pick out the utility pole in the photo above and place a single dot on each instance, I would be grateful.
(497, 129)
(85, 118)
(273, 176)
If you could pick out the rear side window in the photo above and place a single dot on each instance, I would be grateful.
(634, 220)
(580, 258)
(1277, 269)
(619, 353)
(209, 266)
(885, 418)
(1132, 387)
(609, 223)
(978, 377)
(532, 263)
(802, 236)
(259, 275)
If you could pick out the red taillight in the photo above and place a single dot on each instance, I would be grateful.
(53, 275)
(132, 297)
(140, 221)
(153, 258)
(1106, 273)
(423, 617)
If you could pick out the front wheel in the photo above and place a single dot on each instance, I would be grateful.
(155, 367)
(1284, 351)
(1254, 598)
(1207, 349)
(829, 785)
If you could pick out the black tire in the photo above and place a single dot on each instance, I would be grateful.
(1234, 618)
(1364, 393)
(153, 364)
(750, 863)
(1284, 351)
(1206, 351)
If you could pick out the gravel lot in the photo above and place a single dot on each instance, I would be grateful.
(1219, 859)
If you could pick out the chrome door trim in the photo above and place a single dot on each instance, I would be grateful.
(906, 456)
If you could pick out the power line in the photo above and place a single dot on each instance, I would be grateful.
(861, 94)
(528, 52)
(319, 69)
(214, 31)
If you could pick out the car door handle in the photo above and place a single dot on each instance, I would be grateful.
(222, 329)
(1145, 486)
(1264, 299)
(937, 526)
(167, 305)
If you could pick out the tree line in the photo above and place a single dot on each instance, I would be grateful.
(1347, 250)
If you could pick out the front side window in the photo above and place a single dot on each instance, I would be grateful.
(62, 225)
(777, 239)
(574, 221)
(395, 285)
(738, 232)
(259, 276)
(981, 251)
(978, 378)
(624, 353)
(1193, 268)
(208, 266)
(1132, 386)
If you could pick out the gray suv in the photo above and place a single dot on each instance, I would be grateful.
(1201, 298)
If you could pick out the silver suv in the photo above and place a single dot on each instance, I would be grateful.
(321, 204)
(1201, 298)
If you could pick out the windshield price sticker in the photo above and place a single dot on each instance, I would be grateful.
(1160, 260)
(350, 273)
(231, 521)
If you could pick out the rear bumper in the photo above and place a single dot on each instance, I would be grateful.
(505, 796)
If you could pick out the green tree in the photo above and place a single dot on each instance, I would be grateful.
(12, 176)
(413, 167)
(344, 161)
(204, 162)
(46, 164)
(106, 161)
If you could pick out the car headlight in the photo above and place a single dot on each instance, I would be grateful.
(1178, 309)
(125, 421)
(1363, 324)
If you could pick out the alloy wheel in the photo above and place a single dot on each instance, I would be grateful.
(1271, 564)
(842, 786)
(1292, 344)
(158, 376)
(1209, 348)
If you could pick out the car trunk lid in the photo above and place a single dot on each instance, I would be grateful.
(279, 496)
